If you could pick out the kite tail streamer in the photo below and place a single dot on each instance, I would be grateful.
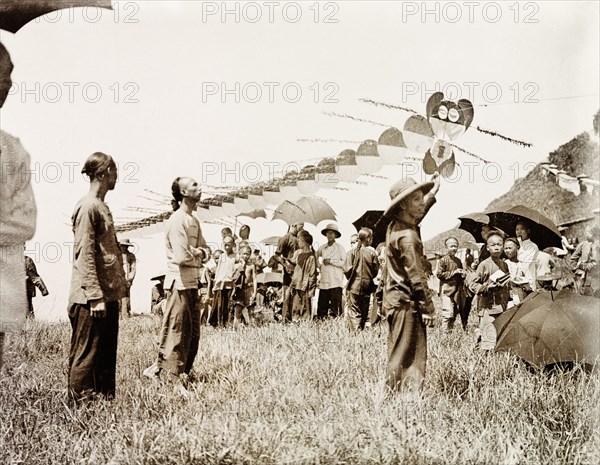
(471, 154)
(331, 140)
(387, 105)
(360, 120)
(377, 176)
(495, 134)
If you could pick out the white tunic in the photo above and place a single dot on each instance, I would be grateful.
(17, 225)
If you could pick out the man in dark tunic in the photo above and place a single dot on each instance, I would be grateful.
(97, 286)
(360, 267)
(406, 300)
(452, 277)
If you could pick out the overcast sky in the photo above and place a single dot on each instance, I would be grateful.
(187, 88)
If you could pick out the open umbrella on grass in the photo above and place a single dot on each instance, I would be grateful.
(544, 332)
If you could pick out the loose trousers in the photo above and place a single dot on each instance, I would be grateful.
(180, 334)
(126, 304)
(330, 301)
(222, 309)
(287, 306)
(301, 305)
(407, 349)
(358, 310)
(30, 312)
(93, 354)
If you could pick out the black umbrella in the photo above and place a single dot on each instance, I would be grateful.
(544, 332)
(472, 223)
(14, 14)
(543, 230)
(369, 220)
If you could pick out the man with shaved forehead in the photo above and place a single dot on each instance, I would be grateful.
(185, 251)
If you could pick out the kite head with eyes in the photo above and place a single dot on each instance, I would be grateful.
(449, 120)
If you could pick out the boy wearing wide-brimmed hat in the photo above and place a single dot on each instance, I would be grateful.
(406, 300)
(331, 257)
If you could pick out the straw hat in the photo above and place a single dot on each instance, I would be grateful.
(331, 227)
(402, 189)
(125, 242)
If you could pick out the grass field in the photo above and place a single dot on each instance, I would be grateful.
(294, 394)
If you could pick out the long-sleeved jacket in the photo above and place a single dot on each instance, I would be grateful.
(405, 277)
(97, 263)
(33, 278)
(305, 271)
(451, 284)
(365, 262)
(183, 233)
(585, 256)
(332, 275)
(129, 266)
(226, 271)
(18, 211)
(584, 262)
(491, 298)
(405, 274)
